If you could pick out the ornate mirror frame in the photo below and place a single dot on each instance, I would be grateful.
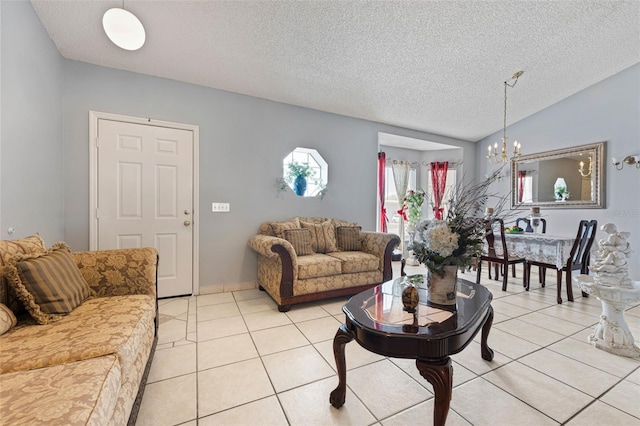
(589, 196)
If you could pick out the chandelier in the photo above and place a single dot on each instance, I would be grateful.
(492, 154)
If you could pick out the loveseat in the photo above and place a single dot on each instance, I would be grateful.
(305, 259)
(88, 366)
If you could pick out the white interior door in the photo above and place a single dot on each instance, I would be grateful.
(145, 196)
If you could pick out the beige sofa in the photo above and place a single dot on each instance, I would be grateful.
(350, 265)
(90, 365)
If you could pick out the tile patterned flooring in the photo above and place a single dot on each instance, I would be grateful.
(233, 359)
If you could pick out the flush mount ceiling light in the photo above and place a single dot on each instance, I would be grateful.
(123, 28)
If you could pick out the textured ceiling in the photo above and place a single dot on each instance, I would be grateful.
(435, 66)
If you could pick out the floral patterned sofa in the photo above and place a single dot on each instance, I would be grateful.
(305, 259)
(88, 366)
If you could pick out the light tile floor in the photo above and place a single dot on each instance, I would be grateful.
(233, 359)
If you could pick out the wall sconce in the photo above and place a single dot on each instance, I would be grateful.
(629, 159)
(581, 169)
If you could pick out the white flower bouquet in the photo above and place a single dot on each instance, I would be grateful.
(458, 239)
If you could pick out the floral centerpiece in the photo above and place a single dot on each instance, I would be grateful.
(444, 245)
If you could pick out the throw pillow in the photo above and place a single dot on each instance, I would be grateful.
(8, 250)
(349, 238)
(323, 236)
(300, 239)
(338, 222)
(7, 319)
(49, 284)
(278, 228)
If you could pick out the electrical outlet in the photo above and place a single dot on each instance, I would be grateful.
(220, 207)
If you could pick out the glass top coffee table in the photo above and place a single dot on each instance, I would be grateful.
(376, 319)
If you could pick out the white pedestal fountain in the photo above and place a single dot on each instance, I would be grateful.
(612, 286)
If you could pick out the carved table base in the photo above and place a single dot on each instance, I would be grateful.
(438, 372)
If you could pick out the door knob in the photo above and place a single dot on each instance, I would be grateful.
(187, 223)
(187, 211)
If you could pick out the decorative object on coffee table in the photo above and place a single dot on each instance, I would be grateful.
(615, 290)
(410, 298)
(441, 289)
(444, 245)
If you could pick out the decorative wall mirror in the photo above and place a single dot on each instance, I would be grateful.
(570, 178)
(306, 172)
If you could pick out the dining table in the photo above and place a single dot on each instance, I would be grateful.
(544, 248)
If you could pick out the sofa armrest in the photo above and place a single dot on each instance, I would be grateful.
(119, 272)
(266, 246)
(381, 245)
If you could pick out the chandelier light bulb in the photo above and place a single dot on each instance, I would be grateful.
(123, 28)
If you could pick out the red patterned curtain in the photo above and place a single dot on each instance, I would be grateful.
(382, 163)
(521, 176)
(438, 182)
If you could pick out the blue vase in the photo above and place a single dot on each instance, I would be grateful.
(300, 185)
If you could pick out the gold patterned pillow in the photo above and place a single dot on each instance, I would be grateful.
(8, 250)
(349, 238)
(300, 239)
(323, 236)
(49, 284)
(338, 222)
(7, 319)
(278, 228)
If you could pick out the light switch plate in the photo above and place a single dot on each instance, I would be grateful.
(220, 207)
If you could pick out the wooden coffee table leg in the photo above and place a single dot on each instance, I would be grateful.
(485, 350)
(343, 336)
(440, 374)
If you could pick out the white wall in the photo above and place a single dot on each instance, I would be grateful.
(607, 111)
(242, 143)
(31, 164)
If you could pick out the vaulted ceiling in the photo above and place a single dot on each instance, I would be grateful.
(434, 66)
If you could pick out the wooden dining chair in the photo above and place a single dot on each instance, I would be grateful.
(542, 271)
(578, 258)
(500, 258)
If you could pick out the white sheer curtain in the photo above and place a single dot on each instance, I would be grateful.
(401, 180)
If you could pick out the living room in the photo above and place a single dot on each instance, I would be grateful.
(45, 174)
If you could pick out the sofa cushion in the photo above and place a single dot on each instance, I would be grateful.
(8, 250)
(323, 236)
(278, 228)
(7, 319)
(100, 326)
(356, 261)
(349, 238)
(318, 265)
(334, 282)
(300, 239)
(83, 392)
(49, 284)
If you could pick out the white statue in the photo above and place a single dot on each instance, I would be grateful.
(611, 267)
(612, 286)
